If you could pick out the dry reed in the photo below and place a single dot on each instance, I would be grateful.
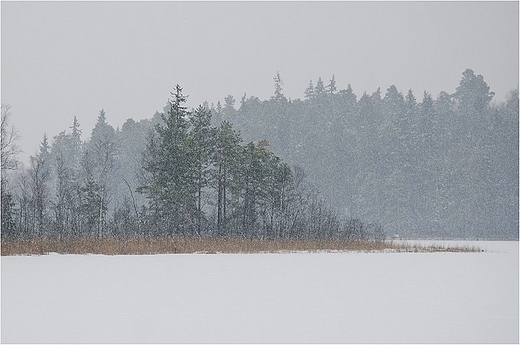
(178, 244)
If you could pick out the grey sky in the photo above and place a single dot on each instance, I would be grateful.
(61, 59)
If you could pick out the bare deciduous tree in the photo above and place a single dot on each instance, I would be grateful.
(9, 137)
(9, 150)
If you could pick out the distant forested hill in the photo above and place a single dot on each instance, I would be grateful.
(444, 166)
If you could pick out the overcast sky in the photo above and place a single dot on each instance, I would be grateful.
(66, 59)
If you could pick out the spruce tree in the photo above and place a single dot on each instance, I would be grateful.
(171, 188)
(40, 173)
(99, 164)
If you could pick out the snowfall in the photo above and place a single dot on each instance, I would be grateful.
(264, 298)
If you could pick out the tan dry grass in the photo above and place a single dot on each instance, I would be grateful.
(177, 244)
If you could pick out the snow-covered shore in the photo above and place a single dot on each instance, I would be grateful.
(264, 298)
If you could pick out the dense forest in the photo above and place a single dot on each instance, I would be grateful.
(173, 175)
(329, 166)
(422, 167)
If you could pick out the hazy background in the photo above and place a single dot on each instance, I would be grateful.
(66, 59)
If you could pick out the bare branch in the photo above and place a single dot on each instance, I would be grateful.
(9, 136)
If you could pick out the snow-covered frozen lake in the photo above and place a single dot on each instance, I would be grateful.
(264, 298)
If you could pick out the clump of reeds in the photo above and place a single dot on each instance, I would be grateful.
(184, 244)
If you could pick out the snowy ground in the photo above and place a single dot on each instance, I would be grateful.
(265, 298)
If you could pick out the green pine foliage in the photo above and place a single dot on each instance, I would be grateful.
(203, 181)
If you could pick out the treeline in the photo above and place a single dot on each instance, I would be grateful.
(444, 167)
(173, 175)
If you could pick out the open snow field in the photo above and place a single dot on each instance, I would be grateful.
(264, 298)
